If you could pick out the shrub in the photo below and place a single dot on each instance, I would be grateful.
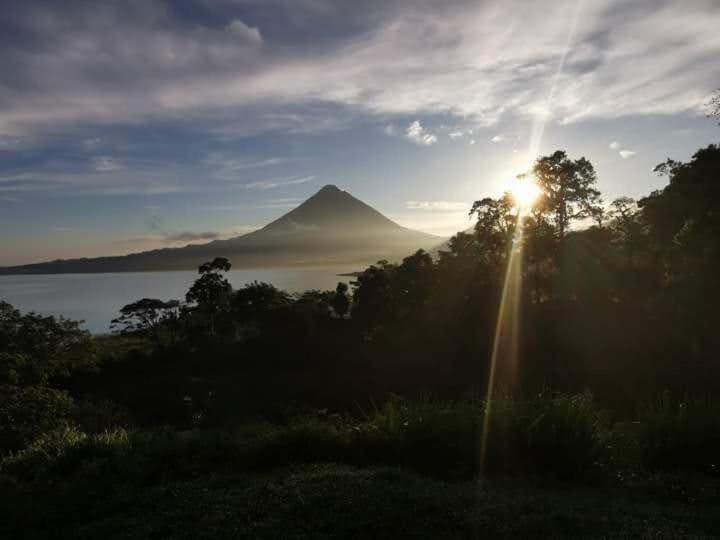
(307, 439)
(66, 451)
(562, 433)
(680, 433)
(99, 416)
(27, 412)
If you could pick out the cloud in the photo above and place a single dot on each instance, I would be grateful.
(107, 164)
(390, 130)
(455, 135)
(287, 203)
(104, 176)
(92, 142)
(232, 168)
(188, 236)
(498, 138)
(624, 153)
(278, 182)
(442, 206)
(419, 135)
(478, 62)
(440, 223)
(244, 229)
(245, 32)
(162, 238)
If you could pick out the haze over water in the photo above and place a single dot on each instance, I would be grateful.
(97, 298)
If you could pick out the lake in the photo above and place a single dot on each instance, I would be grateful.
(97, 298)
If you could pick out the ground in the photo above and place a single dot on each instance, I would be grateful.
(326, 500)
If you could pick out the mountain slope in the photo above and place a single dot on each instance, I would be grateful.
(330, 228)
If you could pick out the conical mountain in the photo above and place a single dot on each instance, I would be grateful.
(332, 209)
(330, 228)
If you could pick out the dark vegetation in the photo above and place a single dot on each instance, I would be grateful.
(362, 410)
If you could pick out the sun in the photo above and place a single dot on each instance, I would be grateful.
(524, 191)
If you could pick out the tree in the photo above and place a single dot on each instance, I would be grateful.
(495, 226)
(627, 225)
(373, 294)
(568, 190)
(211, 292)
(258, 305)
(49, 346)
(151, 317)
(341, 300)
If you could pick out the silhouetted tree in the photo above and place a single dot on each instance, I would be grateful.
(341, 300)
(151, 317)
(49, 346)
(257, 307)
(568, 190)
(211, 291)
(373, 294)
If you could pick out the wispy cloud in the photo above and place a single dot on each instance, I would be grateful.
(622, 152)
(498, 138)
(442, 206)
(92, 142)
(243, 229)
(278, 182)
(108, 164)
(189, 236)
(419, 135)
(283, 203)
(161, 239)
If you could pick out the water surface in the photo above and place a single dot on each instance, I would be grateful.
(96, 298)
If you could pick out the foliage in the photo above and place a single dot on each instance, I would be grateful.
(153, 318)
(211, 291)
(567, 190)
(64, 451)
(341, 300)
(27, 412)
(680, 433)
(49, 347)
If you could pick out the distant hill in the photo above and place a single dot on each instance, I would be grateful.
(330, 228)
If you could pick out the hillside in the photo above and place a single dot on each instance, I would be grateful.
(330, 228)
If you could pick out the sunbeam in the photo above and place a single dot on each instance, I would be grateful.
(525, 192)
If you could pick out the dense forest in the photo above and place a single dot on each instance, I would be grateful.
(591, 326)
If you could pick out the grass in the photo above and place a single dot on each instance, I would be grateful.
(680, 434)
(405, 468)
(329, 500)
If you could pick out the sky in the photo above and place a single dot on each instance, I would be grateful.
(132, 125)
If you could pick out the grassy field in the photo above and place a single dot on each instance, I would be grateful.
(327, 500)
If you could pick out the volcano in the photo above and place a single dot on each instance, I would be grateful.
(330, 228)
